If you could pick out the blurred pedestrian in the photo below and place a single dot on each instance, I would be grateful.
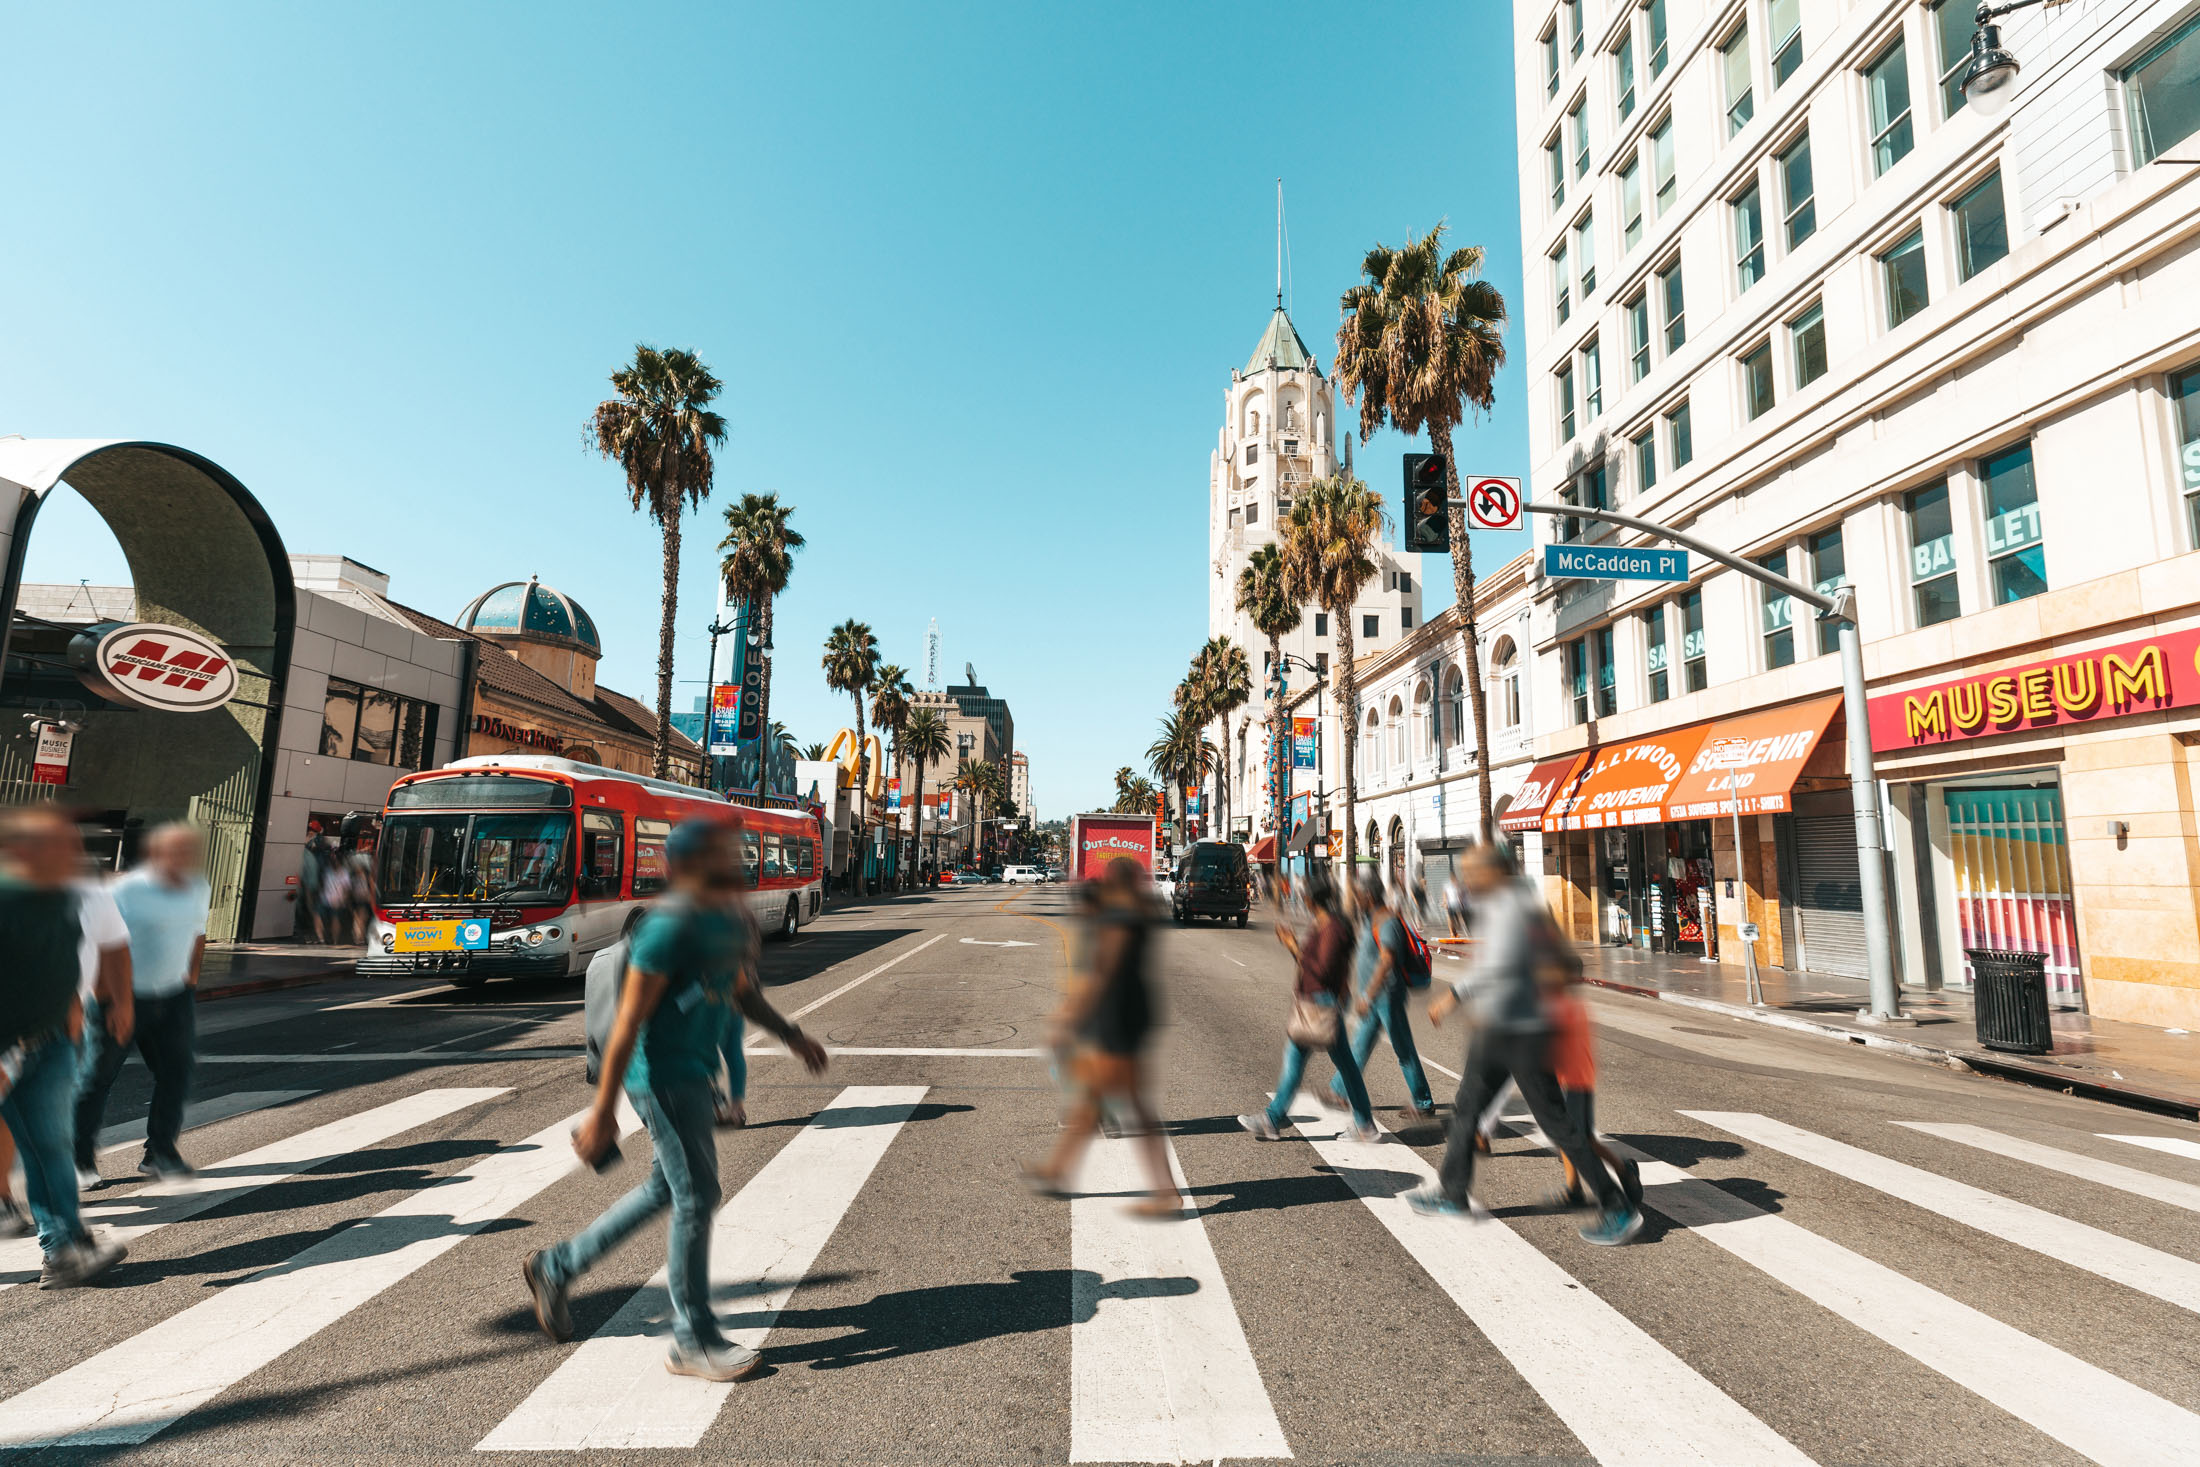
(313, 869)
(104, 988)
(1387, 965)
(1574, 1066)
(359, 894)
(1103, 1024)
(41, 1020)
(163, 905)
(1521, 957)
(1456, 916)
(690, 962)
(1319, 994)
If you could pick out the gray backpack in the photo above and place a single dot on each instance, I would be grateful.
(600, 1006)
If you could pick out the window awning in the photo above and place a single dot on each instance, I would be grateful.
(1767, 752)
(1543, 782)
(1264, 850)
(1625, 784)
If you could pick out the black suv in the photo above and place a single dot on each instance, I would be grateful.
(1214, 881)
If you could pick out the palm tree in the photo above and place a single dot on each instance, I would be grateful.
(813, 752)
(1227, 686)
(1133, 796)
(1181, 755)
(661, 431)
(1421, 341)
(926, 739)
(1125, 777)
(890, 690)
(851, 658)
(1328, 545)
(1264, 594)
(755, 560)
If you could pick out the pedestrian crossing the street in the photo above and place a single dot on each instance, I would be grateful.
(1161, 1363)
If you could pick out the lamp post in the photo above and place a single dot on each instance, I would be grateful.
(1990, 78)
(1321, 792)
(716, 629)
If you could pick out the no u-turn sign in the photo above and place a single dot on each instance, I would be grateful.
(1493, 504)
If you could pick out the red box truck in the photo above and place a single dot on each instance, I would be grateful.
(1098, 838)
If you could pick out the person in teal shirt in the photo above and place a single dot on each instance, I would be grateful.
(690, 967)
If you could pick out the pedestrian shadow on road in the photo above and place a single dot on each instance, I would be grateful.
(1323, 1184)
(1681, 1151)
(844, 1117)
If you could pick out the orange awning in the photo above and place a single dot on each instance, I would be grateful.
(1625, 784)
(1768, 750)
(1544, 781)
(1264, 850)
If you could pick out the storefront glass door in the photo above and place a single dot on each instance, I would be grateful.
(2012, 877)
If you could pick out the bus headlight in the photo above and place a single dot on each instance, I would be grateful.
(534, 939)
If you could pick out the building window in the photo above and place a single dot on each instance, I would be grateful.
(1887, 85)
(1695, 664)
(2014, 546)
(1321, 623)
(2162, 93)
(1455, 704)
(1734, 62)
(1595, 490)
(1902, 276)
(1982, 227)
(1569, 526)
(1607, 671)
(1371, 627)
(1749, 238)
(1646, 460)
(1757, 381)
(1630, 205)
(1655, 29)
(2185, 388)
(1405, 618)
(1653, 656)
(1565, 402)
(1427, 718)
(1829, 572)
(1252, 450)
(1252, 511)
(1397, 735)
(1550, 62)
(1663, 177)
(1321, 664)
(1577, 678)
(1777, 613)
(1623, 63)
(1676, 309)
(1555, 156)
(1592, 378)
(1371, 744)
(1585, 255)
(1807, 334)
(1405, 580)
(1953, 23)
(1638, 338)
(1573, 26)
(1932, 554)
(1578, 120)
(1678, 436)
(1785, 22)
(370, 726)
(1562, 283)
(1798, 194)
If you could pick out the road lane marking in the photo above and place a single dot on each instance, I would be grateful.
(776, 1049)
(2070, 1163)
(388, 1056)
(2094, 1413)
(2169, 1145)
(2167, 1277)
(614, 1391)
(817, 1004)
(201, 1113)
(1630, 1401)
(129, 1393)
(1160, 1369)
(980, 942)
(127, 1216)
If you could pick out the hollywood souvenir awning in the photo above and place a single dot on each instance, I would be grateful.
(1625, 784)
(1749, 765)
(1536, 793)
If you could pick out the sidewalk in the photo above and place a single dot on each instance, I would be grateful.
(233, 969)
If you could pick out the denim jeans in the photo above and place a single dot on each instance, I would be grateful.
(683, 1174)
(166, 1034)
(37, 1112)
(1389, 1013)
(737, 1061)
(1493, 1057)
(1294, 1069)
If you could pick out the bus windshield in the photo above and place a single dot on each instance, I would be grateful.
(525, 859)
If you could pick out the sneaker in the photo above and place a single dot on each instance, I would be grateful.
(1630, 1180)
(1431, 1202)
(88, 1179)
(550, 1307)
(14, 1221)
(165, 1168)
(1367, 1135)
(1263, 1129)
(1614, 1227)
(722, 1361)
(79, 1262)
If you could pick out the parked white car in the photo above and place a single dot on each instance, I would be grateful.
(1023, 875)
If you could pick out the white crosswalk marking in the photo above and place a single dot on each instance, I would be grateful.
(2096, 1414)
(1160, 1369)
(2149, 1270)
(2070, 1163)
(202, 1113)
(130, 1392)
(131, 1215)
(1631, 1401)
(614, 1391)
(2169, 1145)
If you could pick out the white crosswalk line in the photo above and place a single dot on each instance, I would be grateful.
(1631, 1401)
(2070, 1163)
(202, 1113)
(614, 1391)
(2168, 1145)
(129, 1393)
(2096, 1414)
(2167, 1277)
(1160, 1369)
(128, 1216)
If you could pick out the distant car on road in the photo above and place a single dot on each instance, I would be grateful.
(1213, 880)
(1023, 875)
(1164, 886)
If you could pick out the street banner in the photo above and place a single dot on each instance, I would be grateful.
(893, 794)
(1597, 563)
(51, 763)
(1304, 750)
(725, 718)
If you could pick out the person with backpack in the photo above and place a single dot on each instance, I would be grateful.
(690, 963)
(1390, 959)
(1521, 958)
(1318, 996)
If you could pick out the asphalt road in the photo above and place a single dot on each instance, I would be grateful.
(1820, 1281)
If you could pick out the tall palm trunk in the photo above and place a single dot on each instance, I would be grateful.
(1279, 754)
(764, 690)
(859, 805)
(660, 751)
(1348, 713)
(1222, 783)
(1462, 585)
(917, 840)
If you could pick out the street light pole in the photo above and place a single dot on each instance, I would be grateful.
(716, 629)
(1871, 851)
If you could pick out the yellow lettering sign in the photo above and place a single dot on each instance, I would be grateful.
(2124, 682)
(1926, 716)
(2001, 700)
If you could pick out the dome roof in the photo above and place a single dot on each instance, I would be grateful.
(530, 609)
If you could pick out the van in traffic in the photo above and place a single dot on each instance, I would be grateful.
(1213, 880)
(1023, 875)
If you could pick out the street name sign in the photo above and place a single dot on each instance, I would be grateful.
(1493, 504)
(1603, 563)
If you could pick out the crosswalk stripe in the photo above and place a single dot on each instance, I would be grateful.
(2096, 1414)
(2070, 1163)
(129, 1393)
(2149, 1270)
(2170, 1145)
(1631, 1401)
(1160, 1369)
(614, 1391)
(202, 1113)
(131, 1215)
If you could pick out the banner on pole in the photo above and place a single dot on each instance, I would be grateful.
(1304, 748)
(725, 718)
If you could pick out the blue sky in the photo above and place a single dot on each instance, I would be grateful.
(975, 277)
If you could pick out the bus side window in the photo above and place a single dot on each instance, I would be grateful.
(603, 839)
(805, 853)
(748, 855)
(649, 856)
(774, 867)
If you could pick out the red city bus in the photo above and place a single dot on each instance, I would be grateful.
(561, 858)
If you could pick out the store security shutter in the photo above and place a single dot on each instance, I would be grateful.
(1829, 896)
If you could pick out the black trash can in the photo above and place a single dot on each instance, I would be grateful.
(2009, 992)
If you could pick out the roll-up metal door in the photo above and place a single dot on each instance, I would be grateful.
(1828, 895)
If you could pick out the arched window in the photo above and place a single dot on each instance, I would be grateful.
(1505, 673)
(1426, 719)
(1371, 744)
(1455, 704)
(1374, 841)
(1397, 734)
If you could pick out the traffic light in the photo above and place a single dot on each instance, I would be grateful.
(1427, 516)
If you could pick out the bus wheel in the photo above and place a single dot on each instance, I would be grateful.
(791, 922)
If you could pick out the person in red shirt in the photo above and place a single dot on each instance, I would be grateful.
(1574, 1066)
